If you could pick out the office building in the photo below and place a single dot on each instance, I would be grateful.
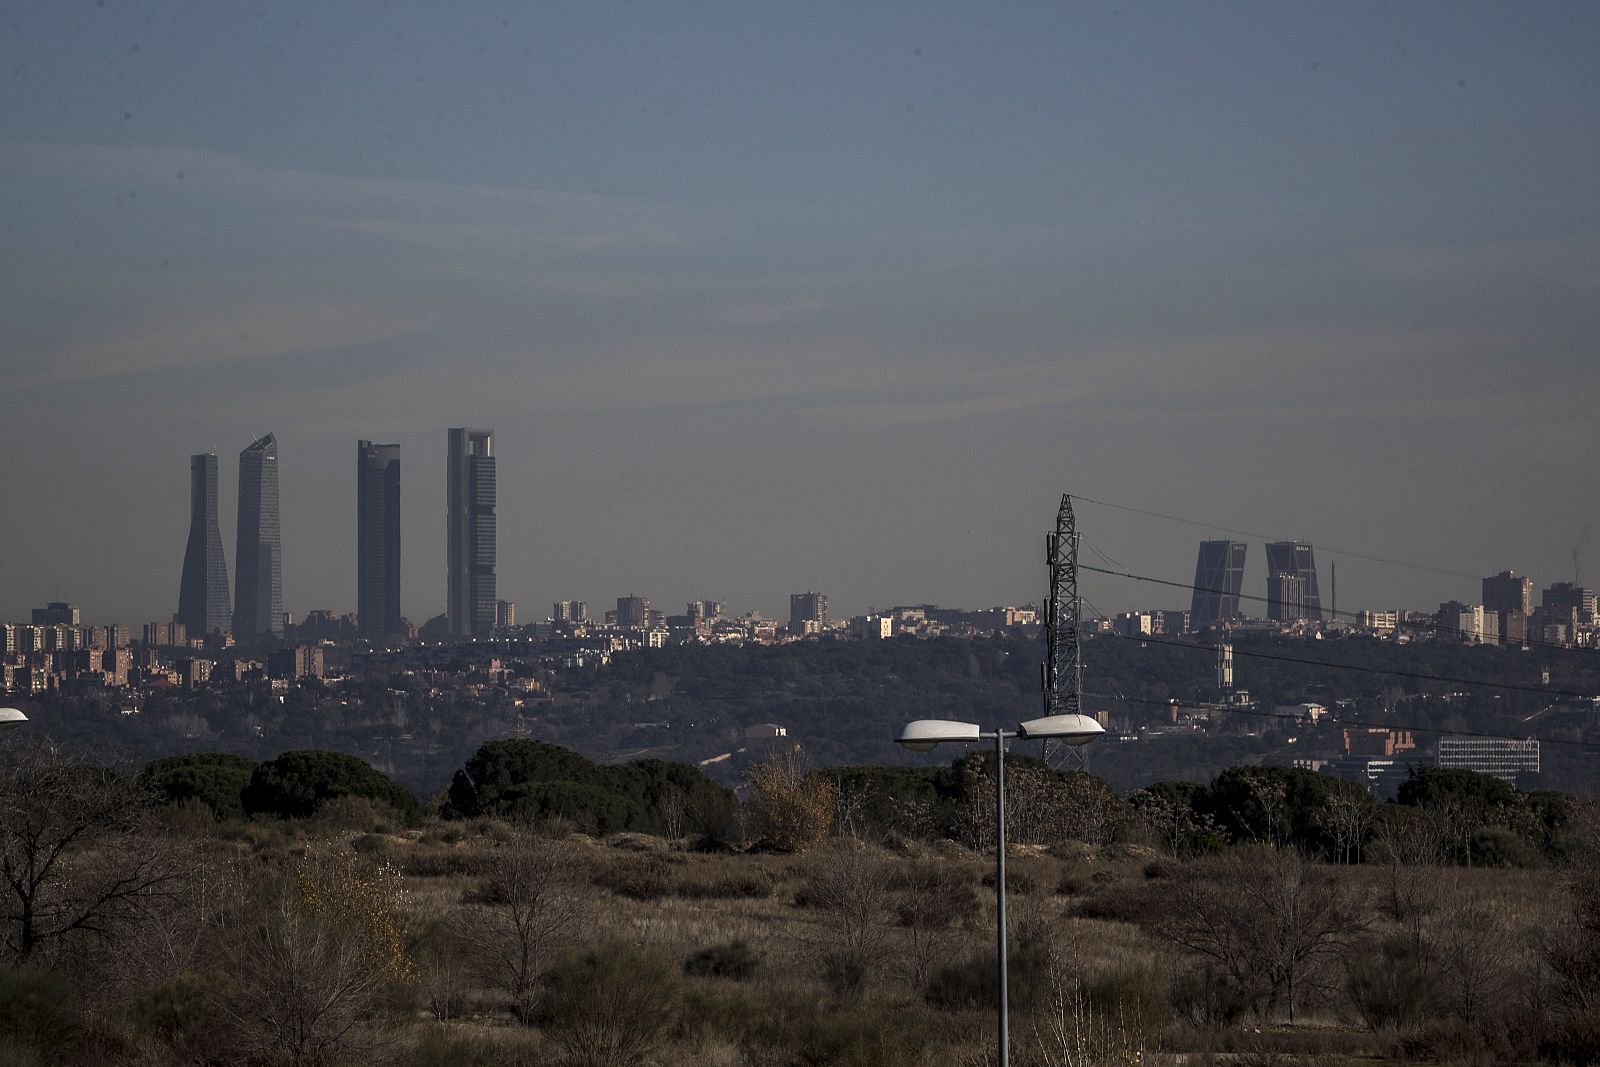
(1498, 757)
(56, 613)
(203, 605)
(633, 612)
(257, 554)
(570, 611)
(378, 540)
(1286, 598)
(807, 607)
(1469, 624)
(1563, 596)
(1295, 558)
(470, 500)
(1218, 578)
(1508, 591)
(505, 614)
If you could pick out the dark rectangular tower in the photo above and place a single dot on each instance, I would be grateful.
(378, 540)
(807, 607)
(203, 590)
(1293, 558)
(1218, 577)
(470, 497)
(257, 555)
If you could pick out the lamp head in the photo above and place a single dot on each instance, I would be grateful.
(922, 735)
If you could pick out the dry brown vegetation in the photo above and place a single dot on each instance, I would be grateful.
(353, 937)
(496, 944)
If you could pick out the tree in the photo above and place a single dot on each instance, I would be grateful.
(530, 904)
(849, 886)
(218, 779)
(296, 784)
(79, 853)
(1268, 918)
(791, 804)
(318, 970)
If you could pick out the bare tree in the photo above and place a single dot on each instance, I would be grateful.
(1347, 818)
(1412, 850)
(1272, 921)
(79, 853)
(849, 887)
(936, 894)
(316, 973)
(530, 905)
(1472, 946)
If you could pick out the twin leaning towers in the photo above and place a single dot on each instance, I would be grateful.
(203, 605)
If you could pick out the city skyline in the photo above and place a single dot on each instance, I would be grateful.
(842, 300)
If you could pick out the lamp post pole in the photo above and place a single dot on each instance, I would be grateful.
(923, 735)
(1003, 1042)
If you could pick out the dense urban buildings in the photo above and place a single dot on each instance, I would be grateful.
(1218, 578)
(1293, 558)
(378, 540)
(470, 493)
(257, 557)
(203, 590)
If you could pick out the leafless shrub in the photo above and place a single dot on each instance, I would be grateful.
(528, 906)
(317, 972)
(848, 885)
(1269, 919)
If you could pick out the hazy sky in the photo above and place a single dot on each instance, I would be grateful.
(763, 297)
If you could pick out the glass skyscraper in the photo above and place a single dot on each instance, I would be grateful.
(1293, 559)
(203, 590)
(470, 501)
(1218, 577)
(257, 554)
(378, 540)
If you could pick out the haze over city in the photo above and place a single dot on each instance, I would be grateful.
(759, 301)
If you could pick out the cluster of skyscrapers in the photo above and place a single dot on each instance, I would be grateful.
(1292, 593)
(203, 602)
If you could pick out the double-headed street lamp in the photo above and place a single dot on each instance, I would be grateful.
(923, 734)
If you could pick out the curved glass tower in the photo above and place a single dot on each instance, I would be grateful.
(203, 591)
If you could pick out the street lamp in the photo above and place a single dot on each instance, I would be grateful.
(922, 735)
(11, 717)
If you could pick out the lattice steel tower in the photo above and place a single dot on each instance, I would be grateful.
(1063, 665)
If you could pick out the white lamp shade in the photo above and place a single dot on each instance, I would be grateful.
(922, 734)
(11, 717)
(1072, 729)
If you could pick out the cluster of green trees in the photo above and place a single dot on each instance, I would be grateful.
(1440, 815)
(1452, 816)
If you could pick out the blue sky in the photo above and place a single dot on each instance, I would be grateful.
(760, 298)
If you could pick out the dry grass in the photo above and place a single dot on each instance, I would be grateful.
(1091, 910)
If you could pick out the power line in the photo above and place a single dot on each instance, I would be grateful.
(1429, 626)
(1245, 650)
(1238, 710)
(1270, 537)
